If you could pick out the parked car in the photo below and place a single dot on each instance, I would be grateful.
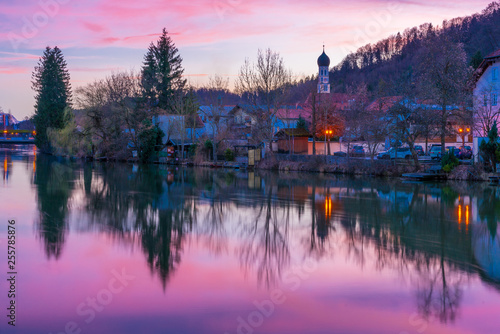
(393, 153)
(435, 152)
(339, 154)
(419, 149)
(357, 151)
(465, 152)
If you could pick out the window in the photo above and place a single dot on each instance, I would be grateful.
(494, 74)
(485, 100)
(494, 99)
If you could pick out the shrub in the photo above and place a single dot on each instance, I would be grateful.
(489, 150)
(449, 162)
(229, 154)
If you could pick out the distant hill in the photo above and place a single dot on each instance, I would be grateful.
(394, 57)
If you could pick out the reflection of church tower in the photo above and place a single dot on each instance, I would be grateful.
(323, 76)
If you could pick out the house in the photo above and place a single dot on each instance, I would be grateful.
(487, 87)
(181, 131)
(215, 118)
(288, 116)
(292, 140)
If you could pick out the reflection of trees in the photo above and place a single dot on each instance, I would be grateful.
(415, 233)
(151, 202)
(214, 229)
(439, 290)
(162, 244)
(489, 210)
(54, 185)
(410, 228)
(266, 240)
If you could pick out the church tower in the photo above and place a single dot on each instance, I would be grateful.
(323, 76)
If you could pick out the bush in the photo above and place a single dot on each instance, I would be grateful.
(229, 154)
(449, 162)
(150, 139)
(192, 150)
(490, 150)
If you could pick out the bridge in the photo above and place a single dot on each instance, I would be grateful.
(16, 137)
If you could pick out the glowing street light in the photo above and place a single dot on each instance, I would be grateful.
(463, 131)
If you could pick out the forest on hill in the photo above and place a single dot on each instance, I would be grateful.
(395, 58)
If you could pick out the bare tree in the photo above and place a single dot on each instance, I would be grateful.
(444, 79)
(407, 123)
(266, 83)
(373, 122)
(111, 114)
(353, 116)
(217, 89)
(185, 107)
(485, 110)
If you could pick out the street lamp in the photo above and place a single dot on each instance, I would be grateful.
(329, 134)
(463, 131)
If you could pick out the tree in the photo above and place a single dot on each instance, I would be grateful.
(301, 123)
(217, 92)
(372, 120)
(444, 79)
(162, 73)
(329, 123)
(476, 60)
(485, 111)
(312, 105)
(407, 124)
(50, 81)
(112, 116)
(185, 106)
(266, 83)
(490, 150)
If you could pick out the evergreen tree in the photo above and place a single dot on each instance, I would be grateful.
(301, 123)
(476, 60)
(50, 81)
(490, 149)
(162, 73)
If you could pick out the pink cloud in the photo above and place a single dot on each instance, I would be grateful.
(196, 75)
(94, 27)
(94, 69)
(14, 56)
(13, 70)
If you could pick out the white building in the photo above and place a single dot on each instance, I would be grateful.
(486, 107)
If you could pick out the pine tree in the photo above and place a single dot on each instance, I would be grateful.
(476, 60)
(50, 81)
(162, 73)
(301, 123)
(490, 148)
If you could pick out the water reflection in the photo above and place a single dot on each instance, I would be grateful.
(54, 185)
(436, 236)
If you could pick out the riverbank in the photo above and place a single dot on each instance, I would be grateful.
(358, 166)
(326, 164)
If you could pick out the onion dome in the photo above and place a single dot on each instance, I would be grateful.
(323, 60)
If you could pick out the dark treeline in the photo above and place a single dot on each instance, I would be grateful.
(205, 96)
(396, 56)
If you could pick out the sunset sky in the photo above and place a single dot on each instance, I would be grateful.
(213, 36)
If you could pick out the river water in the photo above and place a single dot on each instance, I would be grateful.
(122, 248)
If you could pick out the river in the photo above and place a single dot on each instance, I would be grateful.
(123, 248)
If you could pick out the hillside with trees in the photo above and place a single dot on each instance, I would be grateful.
(396, 58)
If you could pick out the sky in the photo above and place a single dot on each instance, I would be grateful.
(99, 37)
